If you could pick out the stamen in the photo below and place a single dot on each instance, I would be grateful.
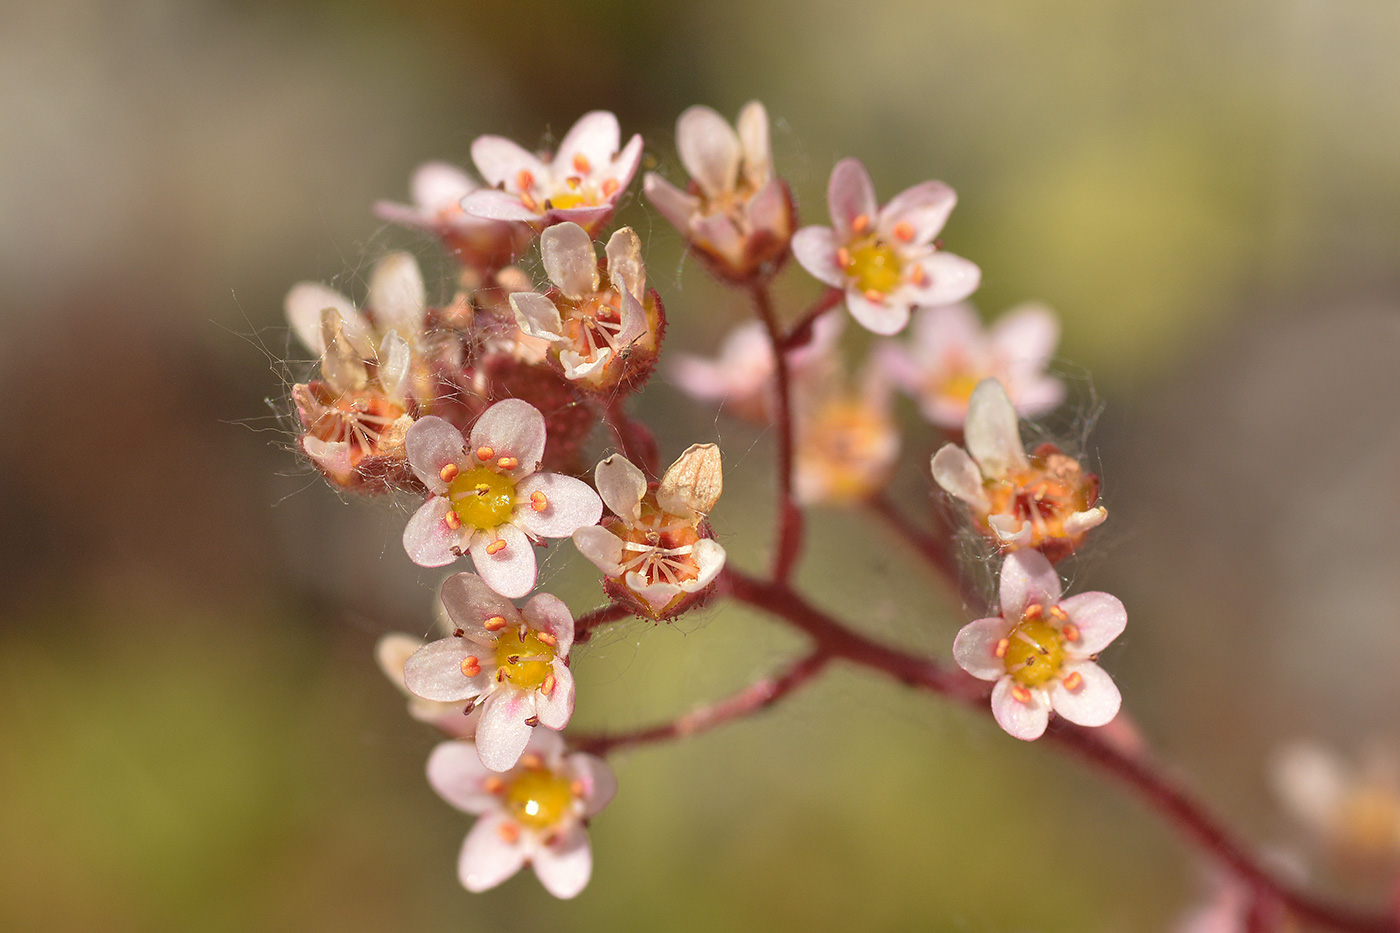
(449, 472)
(1034, 611)
(610, 187)
(538, 501)
(874, 296)
(1070, 631)
(494, 624)
(919, 275)
(524, 181)
(861, 223)
(510, 833)
(1021, 693)
(577, 788)
(528, 200)
(1001, 647)
(547, 687)
(581, 164)
(843, 257)
(454, 521)
(1057, 613)
(485, 453)
(508, 463)
(496, 547)
(531, 762)
(574, 182)
(904, 231)
(459, 633)
(471, 666)
(547, 639)
(1073, 681)
(493, 785)
(532, 721)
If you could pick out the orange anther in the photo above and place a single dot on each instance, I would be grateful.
(1001, 647)
(1070, 631)
(524, 180)
(1074, 680)
(875, 296)
(496, 547)
(904, 231)
(493, 785)
(861, 223)
(610, 187)
(581, 163)
(843, 257)
(529, 201)
(531, 761)
(548, 686)
(454, 521)
(1059, 614)
(1034, 611)
(577, 788)
(1021, 693)
(538, 501)
(510, 833)
(471, 666)
(919, 276)
(494, 624)
(485, 453)
(547, 639)
(507, 463)
(449, 472)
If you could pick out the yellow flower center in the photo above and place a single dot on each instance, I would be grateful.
(524, 662)
(1034, 652)
(539, 798)
(873, 266)
(482, 498)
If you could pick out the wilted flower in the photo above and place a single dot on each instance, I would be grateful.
(602, 338)
(1353, 808)
(458, 719)
(656, 552)
(951, 353)
(735, 214)
(356, 415)
(487, 498)
(885, 257)
(1045, 501)
(581, 183)
(534, 814)
(1040, 650)
(513, 663)
(438, 189)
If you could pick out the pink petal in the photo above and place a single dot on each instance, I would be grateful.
(879, 317)
(438, 185)
(1025, 337)
(555, 709)
(718, 234)
(709, 149)
(511, 428)
(403, 215)
(569, 259)
(924, 207)
(815, 250)
(673, 203)
(537, 316)
(621, 485)
(500, 161)
(1099, 617)
(487, 859)
(469, 603)
(948, 332)
(769, 209)
(1011, 532)
(501, 734)
(1093, 702)
(491, 204)
(434, 672)
(397, 295)
(947, 278)
(975, 648)
(626, 271)
(431, 444)
(427, 539)
(601, 547)
(1026, 578)
(564, 867)
(709, 554)
(992, 435)
(570, 504)
(850, 194)
(599, 782)
(955, 472)
(511, 570)
(547, 613)
(1080, 522)
(754, 139)
(624, 167)
(596, 136)
(331, 456)
(656, 594)
(1040, 395)
(304, 304)
(589, 218)
(455, 771)
(1025, 721)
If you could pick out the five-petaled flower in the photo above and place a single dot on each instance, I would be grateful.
(487, 498)
(512, 663)
(437, 189)
(885, 257)
(951, 353)
(656, 551)
(356, 415)
(581, 183)
(1040, 650)
(736, 215)
(601, 337)
(1044, 501)
(535, 814)
(457, 719)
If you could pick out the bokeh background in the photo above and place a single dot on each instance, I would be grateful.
(193, 735)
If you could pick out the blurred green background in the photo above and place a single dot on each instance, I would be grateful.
(193, 735)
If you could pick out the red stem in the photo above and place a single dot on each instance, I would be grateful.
(790, 522)
(596, 618)
(802, 331)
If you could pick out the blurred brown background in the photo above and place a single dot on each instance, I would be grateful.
(193, 735)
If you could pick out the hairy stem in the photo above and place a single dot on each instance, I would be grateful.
(586, 624)
(790, 521)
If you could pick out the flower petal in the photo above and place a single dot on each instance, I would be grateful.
(438, 186)
(622, 486)
(955, 472)
(1026, 578)
(709, 149)
(511, 570)
(626, 271)
(547, 613)
(879, 317)
(427, 539)
(470, 602)
(455, 771)
(673, 203)
(487, 859)
(850, 194)
(599, 782)
(657, 594)
(1022, 720)
(511, 428)
(491, 204)
(500, 160)
(709, 554)
(975, 648)
(992, 435)
(946, 279)
(1095, 699)
(1026, 336)
(395, 366)
(568, 504)
(565, 866)
(595, 135)
(570, 260)
(434, 672)
(1080, 522)
(692, 485)
(815, 250)
(537, 316)
(555, 709)
(397, 294)
(502, 733)
(1011, 532)
(754, 138)
(1099, 617)
(304, 304)
(924, 207)
(431, 444)
(601, 547)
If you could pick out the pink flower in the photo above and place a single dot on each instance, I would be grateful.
(513, 663)
(951, 353)
(741, 377)
(535, 814)
(581, 183)
(601, 337)
(1044, 501)
(438, 190)
(487, 498)
(885, 257)
(1352, 807)
(656, 551)
(458, 719)
(846, 437)
(1040, 650)
(735, 214)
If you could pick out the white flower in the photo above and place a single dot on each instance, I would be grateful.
(1352, 807)
(487, 498)
(512, 663)
(1040, 650)
(458, 719)
(534, 814)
